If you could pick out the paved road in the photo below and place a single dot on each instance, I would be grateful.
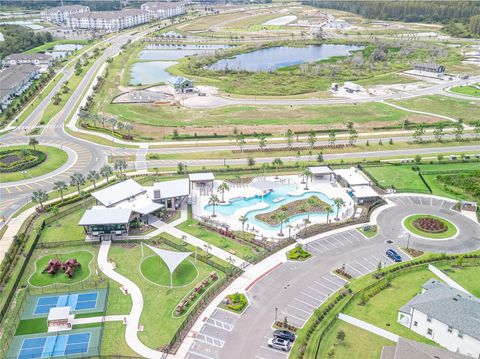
(296, 289)
(89, 156)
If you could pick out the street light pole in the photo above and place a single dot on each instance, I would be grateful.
(276, 311)
(408, 241)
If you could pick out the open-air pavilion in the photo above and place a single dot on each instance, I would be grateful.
(322, 171)
(171, 194)
(171, 258)
(201, 179)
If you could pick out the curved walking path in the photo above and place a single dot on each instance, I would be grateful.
(133, 320)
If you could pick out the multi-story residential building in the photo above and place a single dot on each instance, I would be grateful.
(163, 9)
(14, 80)
(108, 20)
(445, 315)
(43, 61)
(62, 13)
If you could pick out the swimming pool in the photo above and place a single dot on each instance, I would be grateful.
(274, 200)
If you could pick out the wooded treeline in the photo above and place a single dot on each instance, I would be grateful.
(19, 39)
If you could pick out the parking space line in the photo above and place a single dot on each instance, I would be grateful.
(341, 243)
(346, 237)
(355, 269)
(361, 265)
(326, 239)
(223, 325)
(291, 315)
(273, 350)
(311, 296)
(294, 307)
(201, 355)
(210, 340)
(317, 291)
(307, 304)
(311, 247)
(324, 286)
(373, 264)
(324, 246)
(259, 357)
(331, 281)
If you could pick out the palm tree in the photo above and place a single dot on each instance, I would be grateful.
(40, 196)
(106, 171)
(222, 189)
(33, 142)
(94, 177)
(60, 186)
(277, 162)
(329, 211)
(307, 173)
(120, 165)
(112, 122)
(213, 201)
(24, 152)
(77, 180)
(289, 136)
(129, 127)
(338, 202)
(282, 218)
(243, 219)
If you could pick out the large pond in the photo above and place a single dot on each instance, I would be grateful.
(157, 57)
(281, 56)
(152, 72)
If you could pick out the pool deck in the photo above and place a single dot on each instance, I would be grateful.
(331, 190)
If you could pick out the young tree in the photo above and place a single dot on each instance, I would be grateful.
(40, 197)
(251, 161)
(240, 139)
(339, 202)
(476, 130)
(106, 171)
(243, 220)
(282, 218)
(417, 158)
(329, 211)
(277, 162)
(307, 174)
(320, 157)
(213, 201)
(352, 137)
(262, 142)
(312, 138)
(418, 134)
(77, 180)
(93, 176)
(438, 132)
(222, 189)
(120, 165)
(340, 335)
(289, 136)
(332, 137)
(459, 130)
(32, 141)
(60, 186)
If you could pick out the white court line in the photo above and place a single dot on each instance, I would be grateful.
(307, 304)
(294, 307)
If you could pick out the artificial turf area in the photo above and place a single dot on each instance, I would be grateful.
(449, 232)
(155, 270)
(159, 302)
(55, 159)
(40, 279)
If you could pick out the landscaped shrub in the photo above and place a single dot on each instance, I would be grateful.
(298, 253)
(16, 160)
(236, 302)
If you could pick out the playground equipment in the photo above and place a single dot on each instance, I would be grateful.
(53, 266)
(69, 267)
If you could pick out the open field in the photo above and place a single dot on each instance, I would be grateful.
(49, 45)
(55, 159)
(469, 111)
(470, 90)
(466, 276)
(153, 121)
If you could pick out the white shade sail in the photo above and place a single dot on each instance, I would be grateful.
(172, 259)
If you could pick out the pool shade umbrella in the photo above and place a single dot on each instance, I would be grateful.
(172, 259)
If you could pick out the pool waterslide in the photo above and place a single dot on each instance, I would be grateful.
(133, 320)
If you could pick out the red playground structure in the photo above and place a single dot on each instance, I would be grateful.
(54, 265)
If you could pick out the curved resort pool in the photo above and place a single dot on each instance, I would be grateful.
(274, 200)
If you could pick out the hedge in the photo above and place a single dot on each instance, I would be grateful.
(22, 165)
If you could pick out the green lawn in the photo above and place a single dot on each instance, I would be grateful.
(40, 279)
(470, 90)
(443, 105)
(32, 326)
(450, 232)
(382, 309)
(65, 228)
(372, 232)
(466, 276)
(403, 178)
(55, 159)
(194, 228)
(358, 343)
(159, 302)
(113, 342)
(155, 270)
(49, 45)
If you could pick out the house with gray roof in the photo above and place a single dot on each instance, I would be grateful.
(164, 9)
(43, 61)
(445, 315)
(409, 349)
(14, 81)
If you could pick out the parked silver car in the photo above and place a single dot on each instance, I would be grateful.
(279, 343)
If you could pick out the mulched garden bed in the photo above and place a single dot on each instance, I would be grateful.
(430, 225)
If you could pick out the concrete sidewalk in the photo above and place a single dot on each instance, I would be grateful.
(369, 327)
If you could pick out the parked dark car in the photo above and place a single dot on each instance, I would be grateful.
(393, 255)
(284, 334)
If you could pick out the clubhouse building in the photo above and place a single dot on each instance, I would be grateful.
(120, 204)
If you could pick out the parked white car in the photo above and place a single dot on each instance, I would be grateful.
(279, 343)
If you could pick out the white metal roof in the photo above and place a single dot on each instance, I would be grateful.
(172, 259)
(364, 192)
(199, 177)
(118, 192)
(98, 215)
(142, 203)
(58, 313)
(353, 176)
(263, 184)
(320, 170)
(171, 189)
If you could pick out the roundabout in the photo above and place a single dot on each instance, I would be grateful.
(155, 270)
(19, 163)
(430, 227)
